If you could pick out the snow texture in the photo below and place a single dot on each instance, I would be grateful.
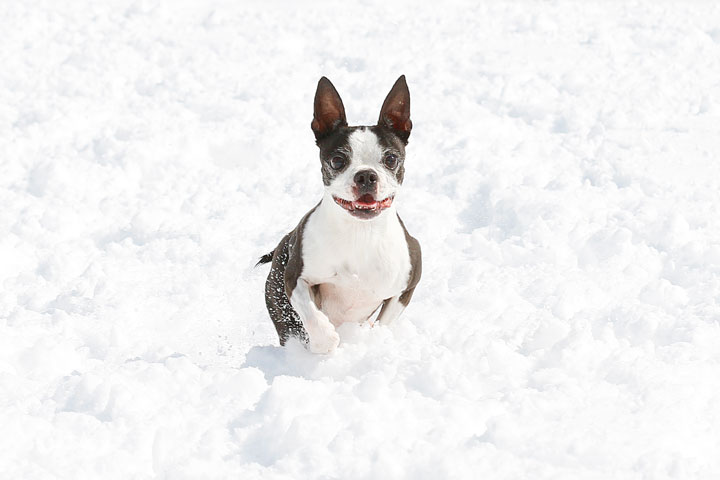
(562, 177)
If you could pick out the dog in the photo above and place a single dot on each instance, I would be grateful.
(351, 254)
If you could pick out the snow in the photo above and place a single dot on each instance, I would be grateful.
(562, 178)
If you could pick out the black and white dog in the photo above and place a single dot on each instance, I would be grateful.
(350, 254)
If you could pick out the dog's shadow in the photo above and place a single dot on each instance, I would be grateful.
(273, 360)
(295, 360)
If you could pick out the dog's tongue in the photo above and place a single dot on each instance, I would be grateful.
(366, 199)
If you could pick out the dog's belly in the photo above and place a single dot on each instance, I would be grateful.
(347, 303)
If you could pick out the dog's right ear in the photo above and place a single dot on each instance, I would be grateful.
(329, 112)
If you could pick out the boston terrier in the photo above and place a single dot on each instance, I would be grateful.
(351, 254)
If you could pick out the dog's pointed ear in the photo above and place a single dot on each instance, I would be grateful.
(395, 112)
(329, 112)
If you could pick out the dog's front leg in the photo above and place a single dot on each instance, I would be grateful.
(321, 333)
(391, 310)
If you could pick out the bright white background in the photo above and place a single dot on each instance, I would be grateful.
(563, 178)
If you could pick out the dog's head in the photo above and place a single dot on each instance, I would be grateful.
(362, 167)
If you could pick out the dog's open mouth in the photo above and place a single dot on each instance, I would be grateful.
(364, 207)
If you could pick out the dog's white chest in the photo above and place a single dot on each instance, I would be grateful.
(355, 264)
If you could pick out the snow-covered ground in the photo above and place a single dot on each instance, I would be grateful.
(563, 178)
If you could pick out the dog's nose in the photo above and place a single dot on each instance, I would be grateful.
(366, 179)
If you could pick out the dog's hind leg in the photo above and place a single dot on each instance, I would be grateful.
(284, 317)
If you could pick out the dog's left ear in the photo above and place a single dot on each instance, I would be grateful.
(395, 112)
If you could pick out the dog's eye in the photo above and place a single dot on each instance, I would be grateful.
(337, 162)
(390, 160)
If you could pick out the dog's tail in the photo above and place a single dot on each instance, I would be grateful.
(267, 258)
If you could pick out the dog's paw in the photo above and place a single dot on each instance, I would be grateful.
(324, 340)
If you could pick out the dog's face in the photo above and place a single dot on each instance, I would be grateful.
(362, 167)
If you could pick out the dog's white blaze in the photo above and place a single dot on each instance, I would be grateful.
(365, 153)
(357, 263)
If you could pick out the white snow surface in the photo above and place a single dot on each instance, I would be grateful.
(563, 178)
